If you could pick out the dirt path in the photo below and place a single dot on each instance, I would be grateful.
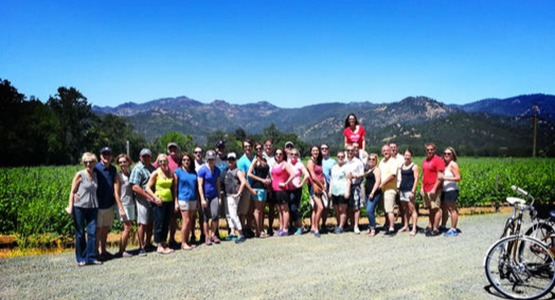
(345, 266)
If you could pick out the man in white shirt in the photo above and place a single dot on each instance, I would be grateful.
(355, 169)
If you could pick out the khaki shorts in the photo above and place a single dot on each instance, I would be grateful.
(105, 217)
(188, 205)
(432, 202)
(244, 202)
(389, 200)
(130, 212)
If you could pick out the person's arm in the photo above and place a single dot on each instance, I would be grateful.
(242, 183)
(416, 173)
(362, 138)
(345, 141)
(200, 181)
(456, 172)
(289, 170)
(117, 194)
(174, 192)
(149, 189)
(348, 192)
(312, 174)
(74, 186)
(305, 173)
(251, 172)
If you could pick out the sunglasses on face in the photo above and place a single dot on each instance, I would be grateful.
(430, 150)
(88, 162)
(122, 162)
(447, 153)
(258, 148)
(341, 157)
(186, 159)
(279, 154)
(198, 152)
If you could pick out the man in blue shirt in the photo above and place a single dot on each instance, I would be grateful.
(244, 210)
(106, 174)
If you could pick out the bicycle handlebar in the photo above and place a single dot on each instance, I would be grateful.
(522, 192)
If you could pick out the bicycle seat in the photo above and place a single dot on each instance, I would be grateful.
(513, 200)
(552, 214)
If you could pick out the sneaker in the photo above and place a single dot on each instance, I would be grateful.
(231, 237)
(126, 254)
(442, 229)
(142, 252)
(95, 262)
(451, 232)
(215, 239)
(208, 242)
(338, 230)
(299, 231)
(356, 230)
(317, 234)
(270, 231)
(432, 233)
(283, 233)
(81, 264)
(240, 239)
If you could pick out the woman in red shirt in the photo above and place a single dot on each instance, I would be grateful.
(354, 132)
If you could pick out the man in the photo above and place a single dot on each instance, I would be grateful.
(198, 158)
(327, 165)
(139, 178)
(432, 176)
(288, 147)
(388, 185)
(400, 160)
(244, 209)
(106, 174)
(355, 170)
(222, 164)
(221, 156)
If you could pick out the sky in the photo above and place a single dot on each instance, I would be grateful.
(289, 53)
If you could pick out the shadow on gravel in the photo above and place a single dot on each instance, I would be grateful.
(491, 290)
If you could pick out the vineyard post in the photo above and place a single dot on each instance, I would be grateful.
(127, 147)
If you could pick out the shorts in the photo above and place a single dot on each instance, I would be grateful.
(355, 199)
(211, 211)
(244, 202)
(405, 196)
(130, 213)
(191, 205)
(105, 217)
(339, 200)
(271, 196)
(261, 195)
(450, 196)
(282, 197)
(432, 202)
(144, 214)
(324, 198)
(389, 200)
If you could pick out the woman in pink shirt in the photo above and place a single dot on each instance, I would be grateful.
(354, 132)
(281, 177)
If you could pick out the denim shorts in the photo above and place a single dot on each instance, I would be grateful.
(261, 195)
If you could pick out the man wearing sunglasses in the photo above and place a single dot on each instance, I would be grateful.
(432, 175)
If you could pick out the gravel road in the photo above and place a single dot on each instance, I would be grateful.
(346, 266)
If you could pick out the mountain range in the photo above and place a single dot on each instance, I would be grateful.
(484, 125)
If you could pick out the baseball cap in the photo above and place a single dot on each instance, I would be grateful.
(173, 144)
(146, 152)
(220, 144)
(210, 154)
(289, 144)
(106, 150)
(231, 155)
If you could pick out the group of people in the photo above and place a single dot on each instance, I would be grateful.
(204, 186)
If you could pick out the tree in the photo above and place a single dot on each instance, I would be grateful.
(185, 142)
(76, 118)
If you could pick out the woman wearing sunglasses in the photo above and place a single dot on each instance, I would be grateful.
(450, 191)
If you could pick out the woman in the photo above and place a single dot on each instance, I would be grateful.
(161, 186)
(186, 196)
(125, 200)
(372, 191)
(282, 175)
(450, 191)
(354, 132)
(407, 189)
(83, 206)
(339, 189)
(296, 187)
(234, 183)
(209, 189)
(314, 166)
(259, 172)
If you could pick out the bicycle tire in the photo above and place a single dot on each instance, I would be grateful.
(543, 231)
(520, 267)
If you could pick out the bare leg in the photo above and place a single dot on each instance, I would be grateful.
(124, 236)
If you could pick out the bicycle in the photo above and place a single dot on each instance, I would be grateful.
(520, 266)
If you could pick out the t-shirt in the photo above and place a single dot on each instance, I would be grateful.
(356, 168)
(186, 185)
(387, 168)
(231, 181)
(353, 137)
(140, 176)
(106, 179)
(244, 163)
(210, 181)
(297, 171)
(126, 190)
(339, 180)
(327, 165)
(430, 169)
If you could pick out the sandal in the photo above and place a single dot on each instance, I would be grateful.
(215, 239)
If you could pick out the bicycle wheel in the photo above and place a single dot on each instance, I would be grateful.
(520, 267)
(543, 231)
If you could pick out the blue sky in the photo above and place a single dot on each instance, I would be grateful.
(290, 53)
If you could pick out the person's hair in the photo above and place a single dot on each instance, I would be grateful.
(160, 156)
(409, 151)
(269, 140)
(247, 140)
(430, 145)
(376, 156)
(319, 158)
(88, 155)
(261, 146)
(123, 155)
(452, 151)
(192, 161)
(347, 120)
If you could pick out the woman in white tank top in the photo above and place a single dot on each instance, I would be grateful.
(450, 191)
